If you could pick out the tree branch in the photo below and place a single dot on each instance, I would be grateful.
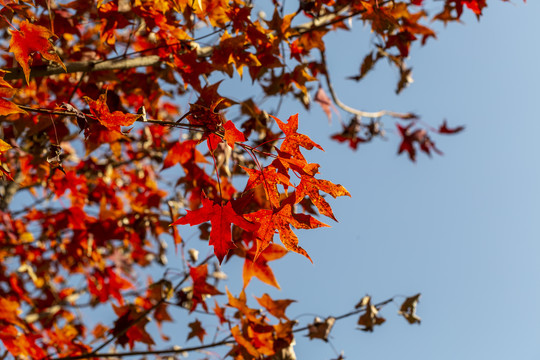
(84, 66)
(149, 352)
(361, 113)
(201, 347)
(154, 60)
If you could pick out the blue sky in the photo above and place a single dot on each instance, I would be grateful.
(462, 228)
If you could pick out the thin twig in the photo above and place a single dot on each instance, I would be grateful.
(94, 353)
(197, 348)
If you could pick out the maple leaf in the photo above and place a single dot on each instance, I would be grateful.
(275, 307)
(220, 313)
(103, 284)
(444, 129)
(269, 177)
(293, 140)
(31, 39)
(111, 121)
(419, 136)
(258, 265)
(182, 152)
(232, 134)
(245, 343)
(350, 133)
(201, 288)
(281, 220)
(367, 65)
(309, 186)
(6, 90)
(21, 344)
(131, 318)
(221, 217)
(196, 330)
(10, 312)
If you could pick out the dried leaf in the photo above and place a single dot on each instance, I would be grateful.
(408, 309)
(321, 329)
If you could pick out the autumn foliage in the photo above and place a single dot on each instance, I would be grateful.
(117, 132)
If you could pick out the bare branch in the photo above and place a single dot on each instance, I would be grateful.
(361, 113)
(149, 352)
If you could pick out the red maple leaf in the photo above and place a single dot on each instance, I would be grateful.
(269, 177)
(201, 288)
(281, 220)
(221, 217)
(29, 40)
(309, 186)
(232, 134)
(409, 138)
(111, 121)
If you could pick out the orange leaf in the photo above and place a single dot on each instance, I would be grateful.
(275, 307)
(4, 146)
(232, 134)
(30, 39)
(245, 343)
(20, 345)
(259, 267)
(6, 90)
(7, 107)
(111, 121)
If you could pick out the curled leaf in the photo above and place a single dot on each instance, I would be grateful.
(321, 329)
(408, 309)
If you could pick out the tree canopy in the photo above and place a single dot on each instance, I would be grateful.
(116, 135)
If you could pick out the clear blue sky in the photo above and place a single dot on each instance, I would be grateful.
(462, 229)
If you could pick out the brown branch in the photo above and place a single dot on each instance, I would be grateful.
(201, 347)
(154, 60)
(149, 352)
(84, 66)
(140, 119)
